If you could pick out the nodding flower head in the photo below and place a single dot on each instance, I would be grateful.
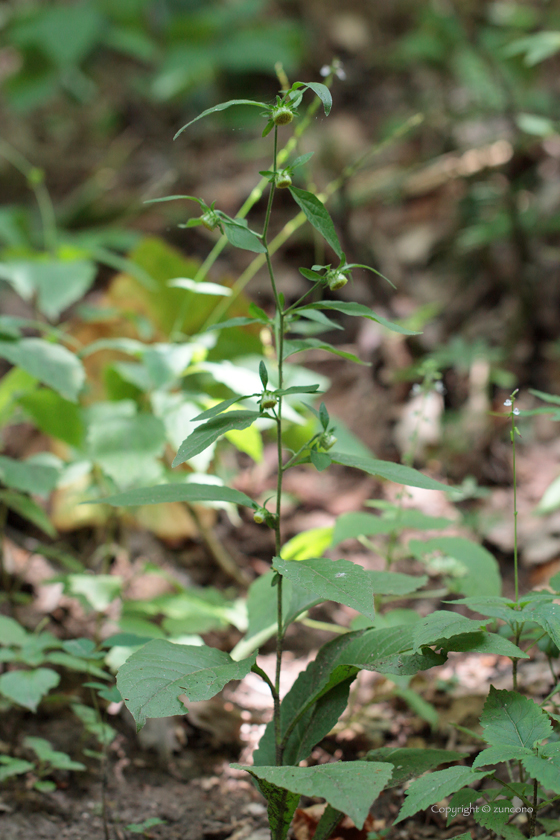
(283, 179)
(268, 399)
(336, 280)
(210, 220)
(281, 115)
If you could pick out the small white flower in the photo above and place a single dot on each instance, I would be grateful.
(416, 388)
(440, 387)
(516, 411)
(325, 70)
(507, 402)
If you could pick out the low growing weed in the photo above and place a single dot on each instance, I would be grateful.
(161, 678)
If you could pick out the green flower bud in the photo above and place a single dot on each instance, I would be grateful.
(281, 115)
(259, 516)
(327, 440)
(283, 179)
(210, 220)
(336, 280)
(268, 399)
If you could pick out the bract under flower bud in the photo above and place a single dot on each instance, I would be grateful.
(282, 115)
(336, 280)
(268, 399)
(210, 220)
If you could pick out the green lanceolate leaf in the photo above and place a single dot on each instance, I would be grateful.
(357, 310)
(495, 755)
(387, 469)
(333, 580)
(436, 786)
(210, 431)
(395, 583)
(240, 236)
(221, 107)
(325, 96)
(511, 720)
(317, 214)
(297, 389)
(350, 786)
(233, 322)
(152, 679)
(410, 763)
(482, 575)
(442, 625)
(299, 345)
(51, 364)
(220, 407)
(164, 493)
(493, 605)
(27, 688)
(28, 509)
(350, 526)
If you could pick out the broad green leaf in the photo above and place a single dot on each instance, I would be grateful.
(485, 642)
(357, 310)
(221, 107)
(201, 287)
(180, 492)
(436, 786)
(511, 720)
(27, 688)
(54, 415)
(333, 580)
(320, 460)
(293, 346)
(82, 647)
(395, 583)
(28, 509)
(350, 786)
(482, 574)
(409, 763)
(152, 679)
(546, 616)
(11, 632)
(99, 591)
(389, 470)
(56, 283)
(387, 650)
(495, 755)
(495, 817)
(239, 235)
(317, 214)
(76, 663)
(307, 544)
(13, 767)
(441, 625)
(261, 611)
(358, 524)
(51, 364)
(205, 434)
(28, 476)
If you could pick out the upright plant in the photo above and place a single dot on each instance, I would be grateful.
(161, 678)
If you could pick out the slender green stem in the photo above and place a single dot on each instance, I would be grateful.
(302, 298)
(515, 792)
(515, 565)
(35, 181)
(533, 815)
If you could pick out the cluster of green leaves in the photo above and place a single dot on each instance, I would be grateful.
(170, 50)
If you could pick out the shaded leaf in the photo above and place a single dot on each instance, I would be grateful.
(27, 688)
(151, 680)
(387, 469)
(441, 625)
(349, 786)
(511, 720)
(28, 476)
(28, 509)
(317, 214)
(292, 346)
(51, 364)
(333, 580)
(495, 755)
(179, 492)
(221, 107)
(240, 236)
(436, 786)
(482, 574)
(357, 310)
(409, 763)
(204, 435)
